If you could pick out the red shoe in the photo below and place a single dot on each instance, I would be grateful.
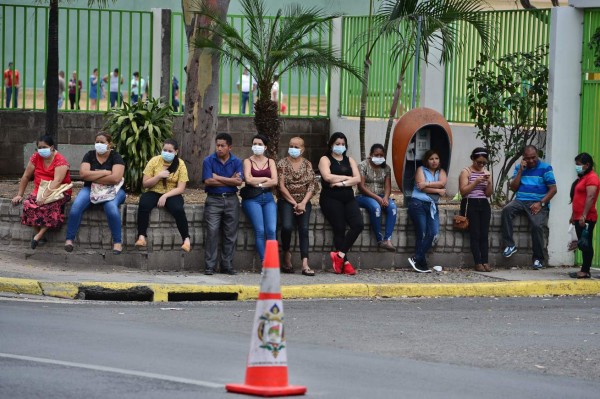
(349, 269)
(337, 262)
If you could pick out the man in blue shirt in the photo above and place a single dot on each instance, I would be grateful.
(534, 183)
(221, 174)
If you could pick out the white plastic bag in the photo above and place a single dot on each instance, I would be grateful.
(572, 245)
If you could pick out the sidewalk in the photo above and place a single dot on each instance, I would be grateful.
(25, 276)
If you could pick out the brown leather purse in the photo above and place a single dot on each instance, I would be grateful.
(461, 222)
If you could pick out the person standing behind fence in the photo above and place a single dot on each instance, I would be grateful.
(246, 85)
(175, 94)
(114, 82)
(11, 85)
(375, 189)
(62, 86)
(296, 187)
(94, 89)
(260, 175)
(137, 87)
(105, 166)
(165, 178)
(430, 184)
(584, 195)
(476, 186)
(222, 175)
(534, 183)
(339, 173)
(75, 87)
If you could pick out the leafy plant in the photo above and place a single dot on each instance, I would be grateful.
(138, 133)
(508, 98)
(594, 44)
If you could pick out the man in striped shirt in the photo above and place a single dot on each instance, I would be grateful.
(534, 183)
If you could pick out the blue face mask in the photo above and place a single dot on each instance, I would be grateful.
(294, 152)
(44, 152)
(168, 156)
(339, 149)
(579, 169)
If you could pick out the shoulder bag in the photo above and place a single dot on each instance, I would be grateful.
(461, 222)
(54, 194)
(100, 193)
(248, 192)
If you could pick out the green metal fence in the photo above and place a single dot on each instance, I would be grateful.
(383, 76)
(518, 31)
(88, 39)
(300, 95)
(589, 138)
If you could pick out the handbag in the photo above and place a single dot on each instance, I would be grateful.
(100, 193)
(248, 192)
(55, 194)
(461, 222)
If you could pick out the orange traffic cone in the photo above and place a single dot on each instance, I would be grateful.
(266, 370)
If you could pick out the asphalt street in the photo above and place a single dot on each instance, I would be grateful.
(426, 348)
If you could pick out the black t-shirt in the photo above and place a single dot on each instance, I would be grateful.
(113, 159)
(342, 168)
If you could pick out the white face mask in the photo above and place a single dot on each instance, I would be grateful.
(258, 149)
(377, 160)
(339, 149)
(101, 148)
(294, 152)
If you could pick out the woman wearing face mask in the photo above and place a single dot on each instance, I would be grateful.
(165, 178)
(430, 184)
(45, 164)
(375, 188)
(476, 186)
(340, 173)
(261, 172)
(296, 188)
(105, 166)
(584, 194)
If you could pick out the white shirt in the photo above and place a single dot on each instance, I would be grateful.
(275, 91)
(114, 83)
(245, 86)
(137, 86)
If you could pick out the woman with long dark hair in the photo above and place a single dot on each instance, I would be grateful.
(584, 194)
(165, 178)
(475, 185)
(340, 173)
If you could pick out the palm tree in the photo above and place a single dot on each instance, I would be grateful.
(269, 47)
(418, 26)
(52, 66)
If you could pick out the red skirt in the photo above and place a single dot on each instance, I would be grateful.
(50, 215)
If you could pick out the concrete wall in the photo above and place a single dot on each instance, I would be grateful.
(76, 133)
(93, 243)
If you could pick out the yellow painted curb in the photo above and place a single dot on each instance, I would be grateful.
(325, 291)
(59, 289)
(20, 286)
(243, 292)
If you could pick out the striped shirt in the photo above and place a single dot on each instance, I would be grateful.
(535, 182)
(479, 190)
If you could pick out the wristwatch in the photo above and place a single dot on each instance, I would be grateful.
(260, 185)
(543, 204)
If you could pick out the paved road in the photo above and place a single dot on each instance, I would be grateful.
(424, 348)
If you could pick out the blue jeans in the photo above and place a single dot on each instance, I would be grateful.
(9, 95)
(375, 212)
(426, 227)
(245, 97)
(114, 97)
(111, 209)
(262, 212)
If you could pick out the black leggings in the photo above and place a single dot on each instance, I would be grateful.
(149, 201)
(479, 213)
(338, 214)
(587, 253)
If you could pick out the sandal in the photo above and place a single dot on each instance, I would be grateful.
(308, 272)
(579, 275)
(287, 269)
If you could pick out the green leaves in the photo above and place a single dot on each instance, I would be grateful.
(138, 132)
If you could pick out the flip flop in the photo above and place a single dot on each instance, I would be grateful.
(577, 275)
(308, 272)
(287, 269)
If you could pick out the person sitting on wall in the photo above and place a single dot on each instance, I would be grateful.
(534, 183)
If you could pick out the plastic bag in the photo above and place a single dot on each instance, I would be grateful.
(584, 241)
(572, 245)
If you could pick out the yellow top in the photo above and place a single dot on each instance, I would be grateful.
(156, 165)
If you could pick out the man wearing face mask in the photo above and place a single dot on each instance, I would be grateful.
(534, 184)
(102, 165)
(375, 190)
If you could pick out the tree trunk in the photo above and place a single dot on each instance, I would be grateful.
(202, 94)
(393, 110)
(363, 108)
(266, 118)
(52, 73)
